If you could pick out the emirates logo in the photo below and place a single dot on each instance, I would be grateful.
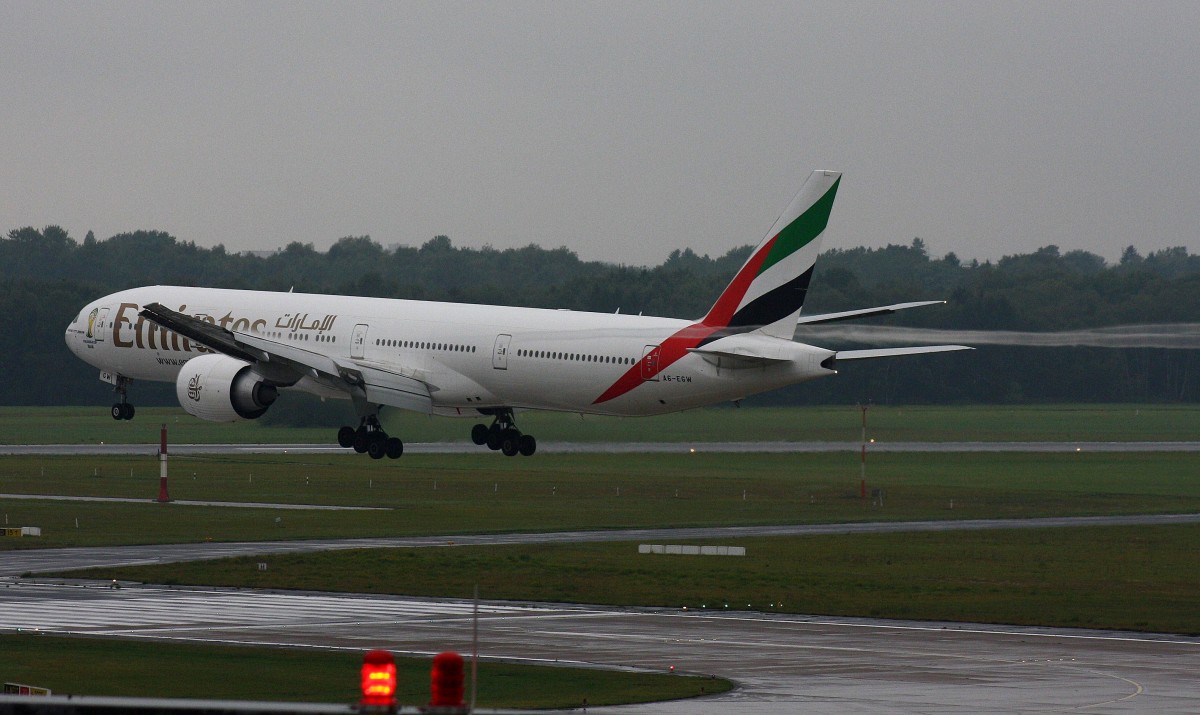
(194, 388)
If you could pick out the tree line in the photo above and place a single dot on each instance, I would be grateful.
(46, 276)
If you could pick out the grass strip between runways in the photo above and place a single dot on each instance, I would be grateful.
(1132, 578)
(87, 666)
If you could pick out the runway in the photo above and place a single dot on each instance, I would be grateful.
(782, 663)
(609, 448)
(195, 502)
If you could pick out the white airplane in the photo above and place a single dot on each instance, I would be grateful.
(230, 352)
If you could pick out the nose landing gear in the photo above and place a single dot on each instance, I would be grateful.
(122, 409)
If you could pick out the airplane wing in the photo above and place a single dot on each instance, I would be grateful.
(863, 313)
(285, 363)
(210, 335)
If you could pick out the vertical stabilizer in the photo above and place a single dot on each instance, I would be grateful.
(768, 291)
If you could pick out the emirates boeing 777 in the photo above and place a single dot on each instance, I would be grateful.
(230, 352)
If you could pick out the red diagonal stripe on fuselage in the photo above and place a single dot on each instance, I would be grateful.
(677, 345)
(666, 354)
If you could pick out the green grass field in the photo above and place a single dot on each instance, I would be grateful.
(455, 494)
(113, 667)
(92, 425)
(1140, 578)
(1135, 578)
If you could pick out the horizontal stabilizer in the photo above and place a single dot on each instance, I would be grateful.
(863, 313)
(752, 347)
(895, 352)
(739, 355)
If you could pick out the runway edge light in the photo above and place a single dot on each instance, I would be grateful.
(378, 682)
(446, 684)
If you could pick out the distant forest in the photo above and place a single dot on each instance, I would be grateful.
(47, 275)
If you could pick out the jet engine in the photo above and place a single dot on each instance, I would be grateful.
(220, 388)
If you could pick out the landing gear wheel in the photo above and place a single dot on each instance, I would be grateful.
(128, 411)
(502, 435)
(393, 447)
(118, 411)
(346, 437)
(377, 448)
(526, 445)
(509, 442)
(362, 439)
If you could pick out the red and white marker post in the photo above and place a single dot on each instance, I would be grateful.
(163, 496)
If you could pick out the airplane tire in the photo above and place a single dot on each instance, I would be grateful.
(360, 442)
(128, 411)
(527, 445)
(393, 447)
(479, 434)
(509, 447)
(346, 437)
(494, 440)
(377, 448)
(118, 411)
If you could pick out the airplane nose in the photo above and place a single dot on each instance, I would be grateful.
(67, 337)
(72, 336)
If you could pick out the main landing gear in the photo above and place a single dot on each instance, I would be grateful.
(122, 409)
(504, 436)
(370, 438)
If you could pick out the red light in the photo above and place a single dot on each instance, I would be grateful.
(446, 681)
(378, 679)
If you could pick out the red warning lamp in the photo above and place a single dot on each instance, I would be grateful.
(446, 682)
(378, 680)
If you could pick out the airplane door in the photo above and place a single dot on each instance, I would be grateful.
(650, 363)
(500, 352)
(101, 321)
(358, 341)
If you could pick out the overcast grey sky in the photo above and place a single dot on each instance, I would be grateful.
(620, 130)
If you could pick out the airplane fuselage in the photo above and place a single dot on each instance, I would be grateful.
(472, 357)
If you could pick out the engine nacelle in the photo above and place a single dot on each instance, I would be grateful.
(220, 388)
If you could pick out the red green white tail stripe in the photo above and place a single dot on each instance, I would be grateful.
(768, 291)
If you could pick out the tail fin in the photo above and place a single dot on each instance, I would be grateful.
(767, 293)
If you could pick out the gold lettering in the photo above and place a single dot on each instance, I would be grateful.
(257, 326)
(117, 341)
(240, 324)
